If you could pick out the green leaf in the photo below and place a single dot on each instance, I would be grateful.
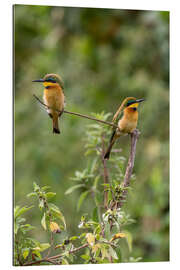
(93, 165)
(43, 221)
(44, 246)
(112, 253)
(85, 257)
(16, 227)
(73, 238)
(57, 213)
(19, 211)
(64, 261)
(109, 196)
(45, 188)
(82, 235)
(107, 231)
(95, 215)
(104, 251)
(36, 187)
(20, 220)
(81, 199)
(71, 189)
(118, 252)
(16, 209)
(50, 195)
(132, 259)
(37, 253)
(97, 231)
(41, 204)
(41, 247)
(25, 252)
(128, 239)
(32, 194)
(96, 181)
(88, 152)
(26, 227)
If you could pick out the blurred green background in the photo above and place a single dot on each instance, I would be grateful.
(103, 56)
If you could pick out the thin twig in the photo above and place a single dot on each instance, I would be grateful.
(77, 114)
(52, 258)
(108, 243)
(51, 245)
(37, 262)
(70, 252)
(130, 166)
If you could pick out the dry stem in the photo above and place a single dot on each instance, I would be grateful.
(130, 166)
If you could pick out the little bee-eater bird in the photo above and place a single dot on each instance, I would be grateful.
(127, 124)
(53, 97)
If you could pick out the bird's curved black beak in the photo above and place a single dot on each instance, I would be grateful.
(140, 100)
(40, 80)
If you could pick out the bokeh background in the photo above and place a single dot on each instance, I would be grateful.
(103, 56)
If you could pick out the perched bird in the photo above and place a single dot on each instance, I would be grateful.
(127, 124)
(53, 97)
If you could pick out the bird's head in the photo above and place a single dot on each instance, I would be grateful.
(132, 102)
(50, 80)
(129, 102)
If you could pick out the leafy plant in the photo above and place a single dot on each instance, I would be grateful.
(102, 231)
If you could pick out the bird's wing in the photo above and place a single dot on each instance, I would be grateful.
(115, 121)
(118, 115)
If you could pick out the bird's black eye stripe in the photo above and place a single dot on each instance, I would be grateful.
(131, 102)
(50, 80)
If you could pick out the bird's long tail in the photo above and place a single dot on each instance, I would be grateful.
(55, 124)
(108, 152)
(111, 143)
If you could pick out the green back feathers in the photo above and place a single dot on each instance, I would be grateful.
(54, 78)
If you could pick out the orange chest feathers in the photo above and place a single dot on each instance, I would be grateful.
(54, 97)
(129, 120)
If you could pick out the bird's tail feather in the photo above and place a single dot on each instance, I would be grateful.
(111, 142)
(108, 152)
(55, 125)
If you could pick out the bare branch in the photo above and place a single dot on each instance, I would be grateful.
(77, 114)
(130, 166)
(70, 252)
(52, 258)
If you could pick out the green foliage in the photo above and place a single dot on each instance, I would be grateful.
(25, 247)
(103, 231)
(103, 56)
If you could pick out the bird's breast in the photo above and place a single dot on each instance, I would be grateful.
(129, 122)
(54, 98)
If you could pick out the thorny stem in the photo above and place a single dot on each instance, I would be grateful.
(78, 114)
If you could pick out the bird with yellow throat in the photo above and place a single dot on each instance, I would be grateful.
(53, 97)
(127, 123)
